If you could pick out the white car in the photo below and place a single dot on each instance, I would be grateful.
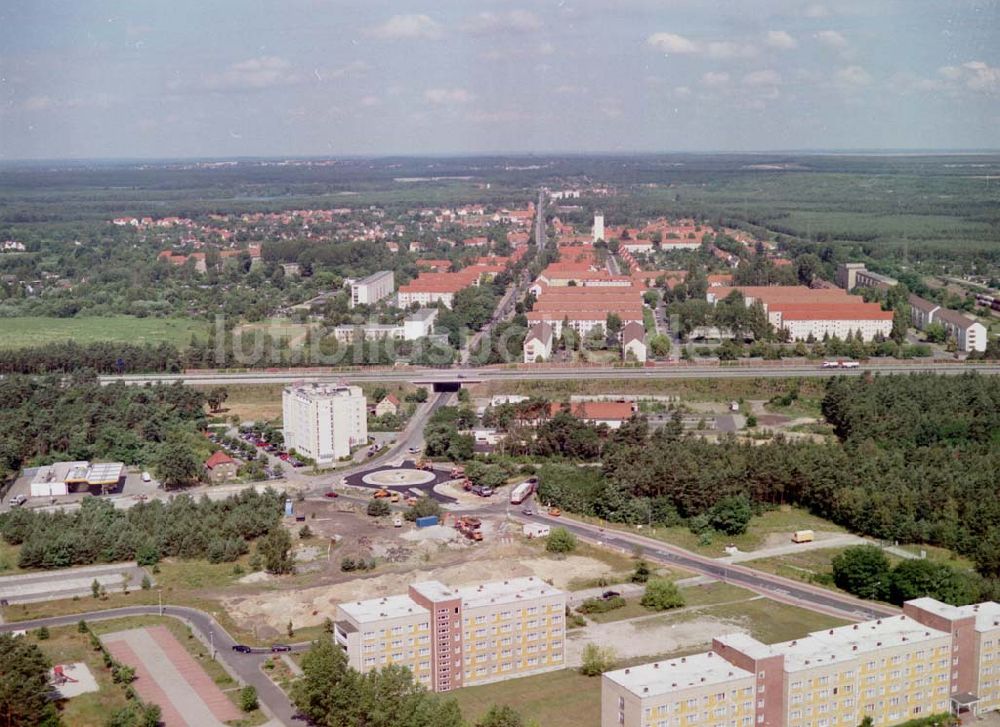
(146, 477)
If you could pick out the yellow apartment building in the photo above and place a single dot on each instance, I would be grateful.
(453, 637)
(933, 658)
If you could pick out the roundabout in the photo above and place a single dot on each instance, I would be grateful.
(402, 479)
(398, 477)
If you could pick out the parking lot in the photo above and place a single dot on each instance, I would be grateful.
(69, 582)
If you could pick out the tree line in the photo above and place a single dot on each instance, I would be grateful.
(916, 460)
(183, 527)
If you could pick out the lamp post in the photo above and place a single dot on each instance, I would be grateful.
(159, 596)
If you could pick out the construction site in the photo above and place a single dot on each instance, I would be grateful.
(459, 548)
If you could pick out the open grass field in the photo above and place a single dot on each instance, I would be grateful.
(65, 645)
(694, 597)
(775, 525)
(262, 402)
(38, 331)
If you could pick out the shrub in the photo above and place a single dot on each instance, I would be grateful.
(43, 633)
(661, 595)
(601, 605)
(560, 540)
(596, 660)
(642, 572)
(378, 508)
(248, 698)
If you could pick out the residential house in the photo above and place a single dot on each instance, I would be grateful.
(220, 467)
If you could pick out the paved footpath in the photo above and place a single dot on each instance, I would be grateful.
(169, 676)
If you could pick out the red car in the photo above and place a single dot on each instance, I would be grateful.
(331, 493)
(283, 456)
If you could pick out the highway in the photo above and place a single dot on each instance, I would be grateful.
(780, 589)
(245, 667)
(547, 372)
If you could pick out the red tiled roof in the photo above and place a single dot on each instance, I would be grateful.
(596, 410)
(828, 312)
(218, 457)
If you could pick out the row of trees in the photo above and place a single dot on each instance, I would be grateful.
(183, 527)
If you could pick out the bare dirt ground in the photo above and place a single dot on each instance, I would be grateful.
(405, 555)
(645, 636)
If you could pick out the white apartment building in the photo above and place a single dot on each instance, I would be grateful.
(538, 343)
(324, 421)
(598, 226)
(420, 324)
(969, 334)
(373, 288)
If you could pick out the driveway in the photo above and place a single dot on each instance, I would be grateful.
(69, 582)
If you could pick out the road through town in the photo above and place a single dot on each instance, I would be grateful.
(548, 372)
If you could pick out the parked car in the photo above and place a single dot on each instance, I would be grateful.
(331, 493)
(242, 648)
(527, 511)
(275, 648)
(18, 500)
(608, 595)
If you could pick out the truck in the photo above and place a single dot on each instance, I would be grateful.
(469, 527)
(521, 492)
(426, 521)
(457, 472)
(803, 536)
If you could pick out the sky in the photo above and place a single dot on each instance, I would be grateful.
(225, 78)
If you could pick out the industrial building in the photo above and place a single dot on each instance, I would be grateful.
(454, 637)
(856, 275)
(932, 659)
(62, 478)
(324, 421)
(372, 289)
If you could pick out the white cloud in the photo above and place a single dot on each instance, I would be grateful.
(981, 77)
(852, 76)
(354, 68)
(816, 10)
(725, 49)
(720, 49)
(765, 77)
(406, 27)
(447, 96)
(832, 39)
(672, 43)
(781, 40)
(38, 103)
(511, 21)
(713, 78)
(250, 75)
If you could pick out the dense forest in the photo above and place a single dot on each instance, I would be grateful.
(917, 460)
(49, 419)
(183, 527)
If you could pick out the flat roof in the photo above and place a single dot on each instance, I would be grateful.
(847, 642)
(422, 315)
(374, 277)
(105, 473)
(987, 613)
(378, 609)
(495, 592)
(663, 677)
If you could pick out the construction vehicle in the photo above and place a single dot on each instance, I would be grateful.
(469, 527)
(554, 512)
(424, 464)
(394, 497)
(466, 484)
(457, 472)
(379, 494)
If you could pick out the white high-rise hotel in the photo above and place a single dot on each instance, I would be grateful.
(323, 421)
(598, 226)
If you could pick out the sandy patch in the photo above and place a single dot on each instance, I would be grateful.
(310, 606)
(645, 637)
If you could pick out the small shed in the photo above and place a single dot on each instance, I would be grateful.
(536, 530)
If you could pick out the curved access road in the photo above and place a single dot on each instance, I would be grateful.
(781, 589)
(245, 667)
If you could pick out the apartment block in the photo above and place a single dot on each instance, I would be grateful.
(969, 334)
(855, 275)
(933, 658)
(454, 637)
(324, 421)
(372, 289)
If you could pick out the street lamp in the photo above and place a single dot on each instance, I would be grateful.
(159, 596)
